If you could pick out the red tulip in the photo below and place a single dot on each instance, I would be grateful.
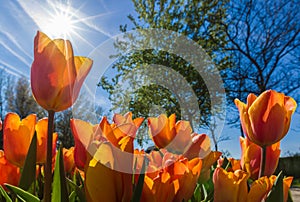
(266, 119)
(56, 74)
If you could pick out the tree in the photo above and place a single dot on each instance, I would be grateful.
(264, 40)
(20, 100)
(158, 90)
(3, 83)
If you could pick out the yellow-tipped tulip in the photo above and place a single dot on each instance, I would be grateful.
(266, 119)
(230, 186)
(56, 74)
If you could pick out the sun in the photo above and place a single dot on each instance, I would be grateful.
(60, 23)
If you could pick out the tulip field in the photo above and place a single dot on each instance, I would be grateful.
(104, 164)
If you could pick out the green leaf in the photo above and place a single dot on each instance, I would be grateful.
(72, 196)
(59, 186)
(276, 193)
(4, 194)
(22, 194)
(29, 169)
(78, 190)
(139, 187)
(197, 193)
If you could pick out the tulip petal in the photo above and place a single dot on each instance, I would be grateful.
(56, 75)
(267, 114)
(259, 189)
(200, 146)
(230, 186)
(83, 134)
(17, 135)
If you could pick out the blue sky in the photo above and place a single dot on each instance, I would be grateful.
(93, 24)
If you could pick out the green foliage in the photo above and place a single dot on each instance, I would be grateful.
(4, 195)
(276, 193)
(139, 186)
(59, 192)
(22, 194)
(198, 21)
(29, 169)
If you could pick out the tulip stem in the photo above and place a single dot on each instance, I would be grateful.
(48, 166)
(263, 161)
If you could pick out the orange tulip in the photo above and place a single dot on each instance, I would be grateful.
(68, 155)
(84, 133)
(134, 124)
(169, 134)
(287, 182)
(260, 188)
(9, 173)
(56, 74)
(178, 137)
(106, 150)
(102, 178)
(230, 186)
(170, 178)
(17, 136)
(251, 158)
(41, 129)
(207, 162)
(266, 119)
(235, 164)
(200, 146)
